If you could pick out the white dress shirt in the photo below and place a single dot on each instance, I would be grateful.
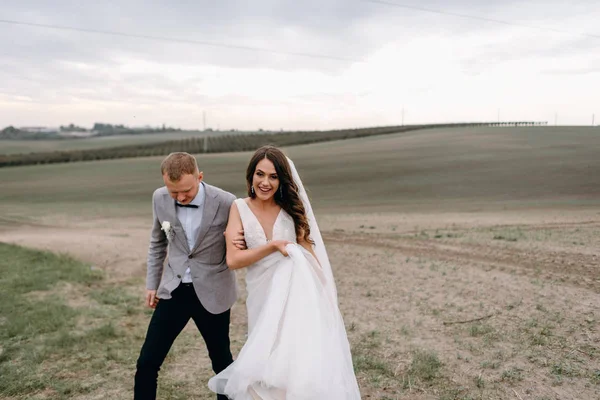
(190, 219)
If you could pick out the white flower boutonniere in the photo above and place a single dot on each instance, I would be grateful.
(166, 227)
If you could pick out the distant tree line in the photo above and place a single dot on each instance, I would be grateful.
(102, 129)
(72, 128)
(212, 144)
(12, 133)
(521, 123)
(99, 129)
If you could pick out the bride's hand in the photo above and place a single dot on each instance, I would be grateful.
(280, 246)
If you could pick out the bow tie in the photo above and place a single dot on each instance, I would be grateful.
(187, 205)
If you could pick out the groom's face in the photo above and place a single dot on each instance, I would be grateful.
(185, 189)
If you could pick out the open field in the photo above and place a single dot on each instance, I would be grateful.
(241, 141)
(466, 261)
(36, 146)
(434, 170)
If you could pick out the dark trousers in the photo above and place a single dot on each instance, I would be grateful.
(168, 320)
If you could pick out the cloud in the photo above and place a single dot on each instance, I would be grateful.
(437, 67)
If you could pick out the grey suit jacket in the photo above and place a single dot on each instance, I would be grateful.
(213, 281)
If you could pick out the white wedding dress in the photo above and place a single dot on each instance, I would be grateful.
(297, 348)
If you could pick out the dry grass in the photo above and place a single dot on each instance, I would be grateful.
(538, 335)
(396, 292)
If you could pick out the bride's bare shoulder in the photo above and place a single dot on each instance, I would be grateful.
(245, 200)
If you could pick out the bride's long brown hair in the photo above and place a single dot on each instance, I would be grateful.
(287, 197)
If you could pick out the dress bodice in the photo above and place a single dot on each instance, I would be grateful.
(255, 236)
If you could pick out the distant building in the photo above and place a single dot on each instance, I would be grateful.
(38, 129)
(76, 134)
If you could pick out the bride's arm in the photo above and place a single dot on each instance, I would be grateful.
(237, 258)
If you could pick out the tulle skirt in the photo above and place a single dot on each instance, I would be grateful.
(297, 346)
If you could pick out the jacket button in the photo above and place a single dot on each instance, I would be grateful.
(179, 276)
(190, 256)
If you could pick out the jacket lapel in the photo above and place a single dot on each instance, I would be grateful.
(178, 228)
(211, 205)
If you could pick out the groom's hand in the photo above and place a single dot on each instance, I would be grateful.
(151, 299)
(239, 240)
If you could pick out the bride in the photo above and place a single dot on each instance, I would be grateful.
(297, 346)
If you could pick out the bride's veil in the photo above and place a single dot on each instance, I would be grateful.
(315, 234)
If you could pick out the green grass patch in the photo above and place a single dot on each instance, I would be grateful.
(26, 272)
(118, 299)
(564, 368)
(479, 329)
(487, 364)
(512, 375)
(369, 362)
(507, 238)
(47, 345)
(425, 366)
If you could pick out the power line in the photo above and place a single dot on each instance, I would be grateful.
(497, 21)
(177, 40)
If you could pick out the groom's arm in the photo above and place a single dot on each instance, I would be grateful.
(157, 251)
(238, 240)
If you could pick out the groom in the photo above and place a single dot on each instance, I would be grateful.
(190, 217)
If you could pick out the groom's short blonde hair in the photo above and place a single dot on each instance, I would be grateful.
(178, 164)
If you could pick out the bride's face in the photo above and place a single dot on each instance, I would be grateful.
(265, 180)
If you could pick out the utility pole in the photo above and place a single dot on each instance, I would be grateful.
(204, 119)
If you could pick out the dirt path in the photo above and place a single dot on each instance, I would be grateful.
(117, 246)
(571, 267)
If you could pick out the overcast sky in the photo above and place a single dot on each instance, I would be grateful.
(370, 60)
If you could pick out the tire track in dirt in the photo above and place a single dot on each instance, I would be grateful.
(574, 269)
